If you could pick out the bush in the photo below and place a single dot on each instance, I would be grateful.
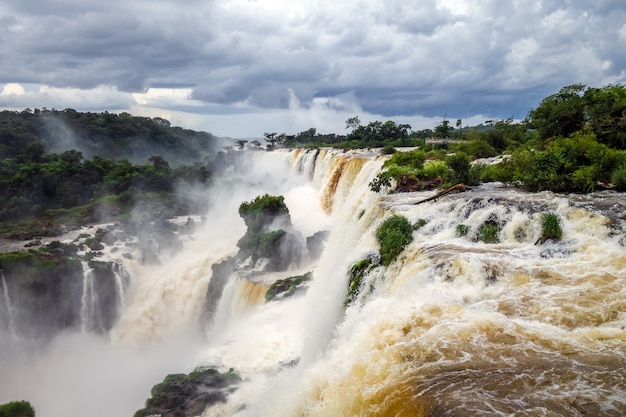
(393, 235)
(618, 178)
(550, 227)
(459, 164)
(489, 232)
(462, 230)
(434, 169)
(17, 409)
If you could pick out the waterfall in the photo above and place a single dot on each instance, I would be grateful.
(122, 278)
(89, 312)
(9, 308)
(454, 326)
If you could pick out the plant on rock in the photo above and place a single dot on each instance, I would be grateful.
(357, 272)
(550, 227)
(489, 232)
(393, 235)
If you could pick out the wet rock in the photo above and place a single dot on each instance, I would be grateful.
(188, 395)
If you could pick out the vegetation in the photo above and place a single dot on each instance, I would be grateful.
(189, 394)
(550, 227)
(393, 235)
(489, 233)
(286, 287)
(44, 191)
(357, 272)
(107, 135)
(259, 241)
(462, 230)
(17, 409)
(574, 141)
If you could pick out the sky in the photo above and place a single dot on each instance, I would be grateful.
(240, 68)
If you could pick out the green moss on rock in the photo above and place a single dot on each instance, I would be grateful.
(286, 287)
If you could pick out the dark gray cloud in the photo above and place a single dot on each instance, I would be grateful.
(395, 58)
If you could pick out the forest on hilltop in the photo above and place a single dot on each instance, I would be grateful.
(61, 169)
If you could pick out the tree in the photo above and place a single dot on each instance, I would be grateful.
(271, 138)
(353, 122)
(605, 113)
(443, 129)
(560, 114)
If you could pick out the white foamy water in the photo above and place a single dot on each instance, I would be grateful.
(453, 327)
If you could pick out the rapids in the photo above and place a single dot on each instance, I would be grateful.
(453, 327)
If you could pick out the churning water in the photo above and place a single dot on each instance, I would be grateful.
(453, 327)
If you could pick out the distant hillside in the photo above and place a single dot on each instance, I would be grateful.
(105, 134)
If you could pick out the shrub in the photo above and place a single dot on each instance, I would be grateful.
(393, 235)
(17, 409)
(459, 164)
(618, 178)
(488, 233)
(434, 169)
(550, 227)
(462, 230)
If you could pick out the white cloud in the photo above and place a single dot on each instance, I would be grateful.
(12, 89)
(240, 57)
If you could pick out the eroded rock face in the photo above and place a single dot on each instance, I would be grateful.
(45, 289)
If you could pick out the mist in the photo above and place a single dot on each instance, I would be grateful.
(159, 330)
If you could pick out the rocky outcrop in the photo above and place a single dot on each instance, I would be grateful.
(188, 395)
(45, 289)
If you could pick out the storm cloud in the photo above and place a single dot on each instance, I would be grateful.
(236, 66)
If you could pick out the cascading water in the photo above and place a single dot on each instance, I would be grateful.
(453, 327)
(10, 313)
(89, 317)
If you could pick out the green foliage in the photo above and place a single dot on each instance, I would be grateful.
(357, 272)
(17, 409)
(105, 134)
(286, 287)
(618, 178)
(577, 163)
(560, 114)
(419, 224)
(393, 235)
(489, 233)
(256, 212)
(400, 164)
(381, 181)
(178, 388)
(379, 134)
(461, 171)
(599, 109)
(434, 169)
(413, 159)
(550, 227)
(462, 230)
